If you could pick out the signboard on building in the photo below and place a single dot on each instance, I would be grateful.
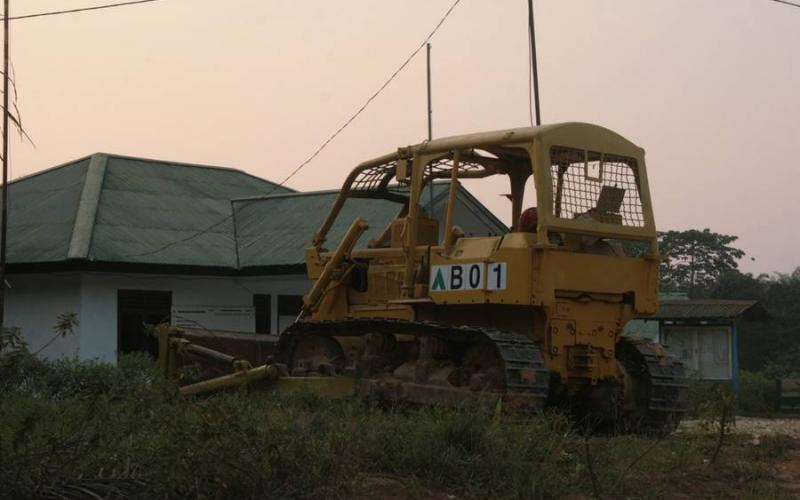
(232, 319)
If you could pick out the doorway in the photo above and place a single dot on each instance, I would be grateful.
(135, 310)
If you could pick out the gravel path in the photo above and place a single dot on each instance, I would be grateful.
(768, 426)
(757, 427)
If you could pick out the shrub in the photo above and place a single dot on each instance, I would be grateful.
(758, 394)
(702, 393)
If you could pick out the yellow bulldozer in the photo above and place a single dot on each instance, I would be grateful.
(533, 318)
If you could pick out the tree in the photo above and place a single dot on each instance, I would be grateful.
(694, 259)
(771, 344)
(734, 285)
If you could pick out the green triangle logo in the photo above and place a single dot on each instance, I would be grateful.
(438, 281)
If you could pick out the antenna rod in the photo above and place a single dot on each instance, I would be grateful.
(4, 218)
(534, 66)
(430, 107)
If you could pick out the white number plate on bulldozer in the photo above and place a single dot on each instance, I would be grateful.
(473, 276)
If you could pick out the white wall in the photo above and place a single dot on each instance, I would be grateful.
(34, 302)
(99, 300)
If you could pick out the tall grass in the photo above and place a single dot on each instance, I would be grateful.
(73, 430)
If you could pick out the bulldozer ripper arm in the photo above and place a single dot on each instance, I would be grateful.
(355, 231)
(174, 350)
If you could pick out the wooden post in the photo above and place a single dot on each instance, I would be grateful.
(4, 210)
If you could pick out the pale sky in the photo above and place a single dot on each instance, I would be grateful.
(710, 89)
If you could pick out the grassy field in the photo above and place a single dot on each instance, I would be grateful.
(84, 430)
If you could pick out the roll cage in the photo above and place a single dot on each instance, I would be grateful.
(588, 179)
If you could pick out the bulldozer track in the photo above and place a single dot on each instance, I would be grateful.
(525, 372)
(662, 394)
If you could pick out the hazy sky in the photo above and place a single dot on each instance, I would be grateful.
(710, 88)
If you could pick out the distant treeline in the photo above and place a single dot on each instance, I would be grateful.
(704, 264)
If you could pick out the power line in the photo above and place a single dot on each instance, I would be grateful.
(787, 3)
(373, 96)
(324, 144)
(81, 9)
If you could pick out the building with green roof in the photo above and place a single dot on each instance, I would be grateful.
(122, 241)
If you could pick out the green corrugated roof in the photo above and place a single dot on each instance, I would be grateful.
(709, 309)
(119, 209)
(41, 213)
(275, 231)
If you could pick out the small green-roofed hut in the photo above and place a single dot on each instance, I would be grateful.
(703, 334)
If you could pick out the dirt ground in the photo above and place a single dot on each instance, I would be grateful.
(700, 482)
(787, 469)
(393, 487)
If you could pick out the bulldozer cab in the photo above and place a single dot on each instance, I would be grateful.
(591, 196)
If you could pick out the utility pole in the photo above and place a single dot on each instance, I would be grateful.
(430, 126)
(534, 66)
(4, 210)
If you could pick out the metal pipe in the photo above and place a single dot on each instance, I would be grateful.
(208, 353)
(517, 194)
(355, 231)
(164, 348)
(451, 202)
(412, 223)
(264, 372)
